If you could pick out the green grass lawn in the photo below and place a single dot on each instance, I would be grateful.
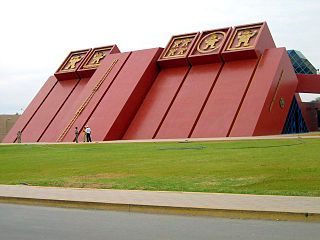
(281, 167)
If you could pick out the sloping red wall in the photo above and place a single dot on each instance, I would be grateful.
(189, 101)
(61, 119)
(156, 104)
(225, 99)
(30, 111)
(240, 88)
(107, 72)
(48, 110)
(115, 111)
(255, 117)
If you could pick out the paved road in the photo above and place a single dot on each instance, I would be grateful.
(19, 222)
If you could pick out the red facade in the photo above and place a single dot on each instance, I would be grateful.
(217, 83)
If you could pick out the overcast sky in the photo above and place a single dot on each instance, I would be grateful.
(36, 36)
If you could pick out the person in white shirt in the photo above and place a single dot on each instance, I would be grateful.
(88, 133)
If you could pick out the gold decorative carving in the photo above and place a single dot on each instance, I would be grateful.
(212, 41)
(176, 43)
(97, 57)
(185, 42)
(181, 51)
(241, 38)
(172, 52)
(94, 62)
(178, 47)
(73, 62)
(244, 37)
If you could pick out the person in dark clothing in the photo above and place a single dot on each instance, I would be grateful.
(19, 135)
(76, 132)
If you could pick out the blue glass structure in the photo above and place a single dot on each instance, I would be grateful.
(295, 122)
(300, 63)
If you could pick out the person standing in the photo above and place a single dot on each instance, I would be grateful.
(84, 134)
(19, 134)
(76, 132)
(88, 133)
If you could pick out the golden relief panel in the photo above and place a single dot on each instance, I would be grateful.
(96, 57)
(244, 38)
(211, 42)
(178, 47)
(73, 61)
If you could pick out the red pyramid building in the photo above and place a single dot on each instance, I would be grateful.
(217, 83)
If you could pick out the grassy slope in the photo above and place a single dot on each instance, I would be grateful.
(285, 167)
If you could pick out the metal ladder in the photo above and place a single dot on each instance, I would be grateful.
(86, 102)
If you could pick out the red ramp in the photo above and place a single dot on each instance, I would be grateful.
(274, 83)
(32, 108)
(189, 102)
(48, 110)
(91, 96)
(61, 119)
(225, 99)
(156, 104)
(116, 110)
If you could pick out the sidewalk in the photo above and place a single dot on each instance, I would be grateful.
(313, 135)
(205, 204)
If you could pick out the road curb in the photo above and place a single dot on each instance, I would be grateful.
(168, 210)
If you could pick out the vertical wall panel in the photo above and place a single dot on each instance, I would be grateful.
(261, 112)
(189, 101)
(156, 103)
(114, 113)
(32, 108)
(90, 98)
(61, 119)
(48, 110)
(225, 99)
